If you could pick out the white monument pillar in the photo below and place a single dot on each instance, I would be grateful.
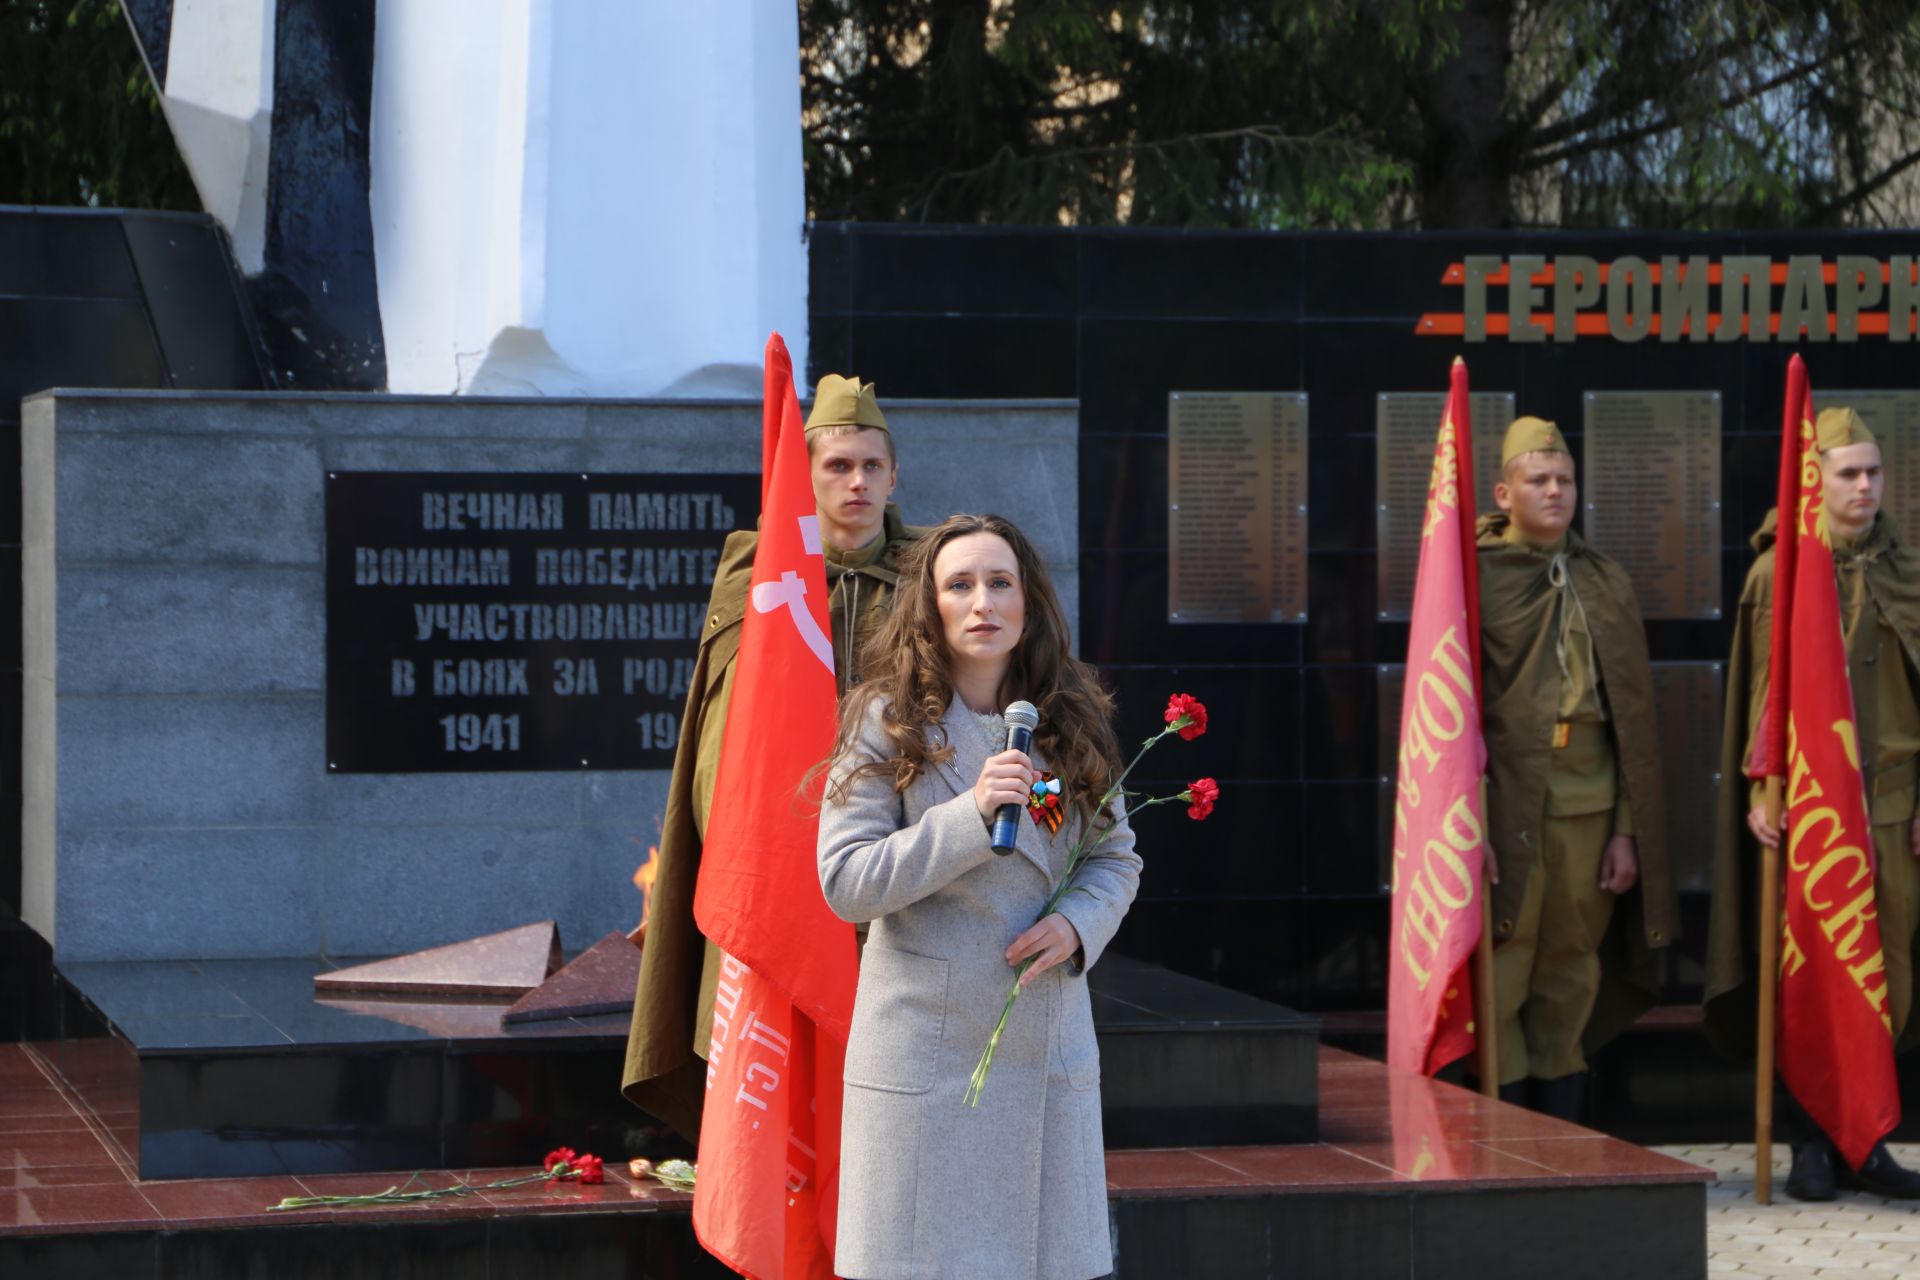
(588, 197)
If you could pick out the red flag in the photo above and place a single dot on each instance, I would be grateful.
(1836, 1037)
(1767, 753)
(765, 1201)
(1439, 843)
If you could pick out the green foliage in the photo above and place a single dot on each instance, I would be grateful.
(1364, 113)
(79, 120)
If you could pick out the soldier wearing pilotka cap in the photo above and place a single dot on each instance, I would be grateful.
(1878, 580)
(850, 451)
(1582, 894)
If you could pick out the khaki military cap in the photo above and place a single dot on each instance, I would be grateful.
(1531, 435)
(1838, 427)
(845, 402)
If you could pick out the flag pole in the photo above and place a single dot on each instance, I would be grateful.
(1487, 1023)
(1769, 1001)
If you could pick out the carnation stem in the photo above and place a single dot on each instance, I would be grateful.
(1103, 822)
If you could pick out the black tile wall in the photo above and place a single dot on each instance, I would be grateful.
(71, 256)
(1285, 903)
(1172, 275)
(1026, 357)
(204, 336)
(916, 270)
(66, 342)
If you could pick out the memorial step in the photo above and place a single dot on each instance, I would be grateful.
(239, 1067)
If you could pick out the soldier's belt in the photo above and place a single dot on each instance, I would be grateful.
(1579, 733)
(1900, 777)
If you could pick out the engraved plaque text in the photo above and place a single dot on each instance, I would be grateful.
(1237, 523)
(1650, 485)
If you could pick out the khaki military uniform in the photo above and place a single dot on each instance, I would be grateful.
(1572, 762)
(1879, 588)
(665, 1071)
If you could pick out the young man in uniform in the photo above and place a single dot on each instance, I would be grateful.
(1879, 586)
(851, 453)
(1574, 811)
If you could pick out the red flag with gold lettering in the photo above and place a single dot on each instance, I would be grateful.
(1438, 841)
(1836, 1036)
(767, 1193)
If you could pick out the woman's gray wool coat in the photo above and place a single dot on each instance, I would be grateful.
(930, 1187)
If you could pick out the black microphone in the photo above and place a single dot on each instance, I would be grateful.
(1022, 719)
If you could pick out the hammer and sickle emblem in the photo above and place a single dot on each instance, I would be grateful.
(791, 591)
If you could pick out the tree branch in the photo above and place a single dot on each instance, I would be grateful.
(1611, 141)
(1867, 189)
(1657, 80)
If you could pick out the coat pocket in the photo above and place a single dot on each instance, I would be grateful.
(899, 1016)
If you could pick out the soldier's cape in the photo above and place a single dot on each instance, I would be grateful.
(1893, 586)
(1522, 690)
(665, 1073)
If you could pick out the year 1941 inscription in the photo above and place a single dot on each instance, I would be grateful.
(517, 621)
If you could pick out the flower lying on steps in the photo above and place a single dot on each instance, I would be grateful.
(562, 1165)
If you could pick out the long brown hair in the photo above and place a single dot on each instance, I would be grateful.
(906, 666)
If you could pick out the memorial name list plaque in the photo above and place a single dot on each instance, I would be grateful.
(1650, 486)
(1406, 424)
(517, 621)
(1894, 419)
(1237, 507)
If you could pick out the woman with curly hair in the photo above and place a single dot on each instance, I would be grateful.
(1015, 1187)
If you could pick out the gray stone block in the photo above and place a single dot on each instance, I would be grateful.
(184, 499)
(729, 425)
(169, 413)
(185, 595)
(609, 899)
(671, 453)
(38, 442)
(399, 889)
(191, 629)
(635, 799)
(452, 420)
(190, 762)
(452, 799)
(380, 453)
(1020, 463)
(133, 895)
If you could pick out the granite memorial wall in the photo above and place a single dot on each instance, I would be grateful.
(1214, 371)
(358, 675)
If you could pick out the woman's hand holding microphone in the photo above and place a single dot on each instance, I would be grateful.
(1008, 778)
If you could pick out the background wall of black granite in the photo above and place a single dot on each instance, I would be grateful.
(1279, 894)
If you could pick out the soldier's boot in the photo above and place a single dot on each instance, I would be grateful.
(1565, 1098)
(1881, 1175)
(1812, 1177)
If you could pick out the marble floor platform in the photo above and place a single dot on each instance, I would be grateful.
(1411, 1178)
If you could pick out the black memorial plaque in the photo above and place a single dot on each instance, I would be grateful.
(491, 621)
(1894, 419)
(1405, 426)
(1688, 696)
(1390, 679)
(1237, 515)
(1650, 483)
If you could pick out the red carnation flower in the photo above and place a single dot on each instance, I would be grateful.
(591, 1168)
(1184, 707)
(1200, 795)
(560, 1156)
